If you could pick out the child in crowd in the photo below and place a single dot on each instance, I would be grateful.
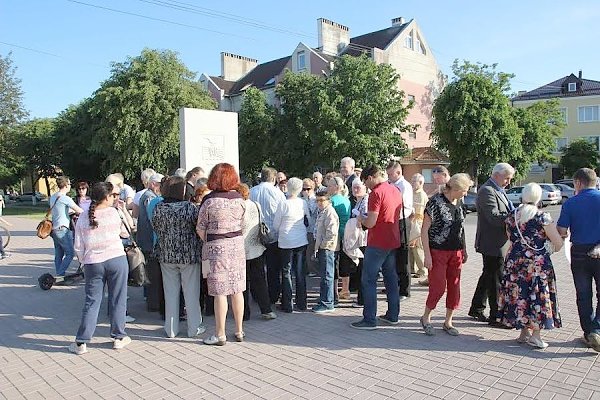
(326, 244)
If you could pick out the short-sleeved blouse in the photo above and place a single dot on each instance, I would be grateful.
(446, 230)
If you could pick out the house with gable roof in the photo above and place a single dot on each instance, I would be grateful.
(402, 45)
(579, 100)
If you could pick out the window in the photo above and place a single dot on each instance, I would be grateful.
(561, 143)
(595, 140)
(410, 98)
(412, 135)
(408, 42)
(301, 60)
(419, 47)
(427, 175)
(564, 114)
(572, 87)
(588, 113)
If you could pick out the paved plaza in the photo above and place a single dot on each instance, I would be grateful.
(299, 355)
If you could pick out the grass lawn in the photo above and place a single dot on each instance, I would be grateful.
(33, 212)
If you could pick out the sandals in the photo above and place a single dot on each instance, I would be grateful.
(216, 340)
(239, 336)
(450, 330)
(428, 328)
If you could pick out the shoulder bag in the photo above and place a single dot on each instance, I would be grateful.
(44, 228)
(135, 260)
(263, 229)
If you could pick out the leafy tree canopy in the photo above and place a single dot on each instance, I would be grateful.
(579, 154)
(475, 123)
(12, 112)
(136, 112)
(357, 111)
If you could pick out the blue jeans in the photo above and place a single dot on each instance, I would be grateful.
(326, 262)
(585, 269)
(63, 249)
(292, 263)
(114, 273)
(385, 260)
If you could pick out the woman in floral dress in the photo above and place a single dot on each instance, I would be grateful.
(527, 298)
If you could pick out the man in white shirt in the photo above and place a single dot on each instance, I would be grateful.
(395, 177)
(268, 196)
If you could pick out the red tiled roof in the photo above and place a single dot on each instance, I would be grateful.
(425, 155)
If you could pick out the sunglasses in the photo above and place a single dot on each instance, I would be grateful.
(82, 188)
(306, 189)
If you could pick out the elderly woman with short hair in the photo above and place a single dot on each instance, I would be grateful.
(338, 191)
(443, 238)
(289, 226)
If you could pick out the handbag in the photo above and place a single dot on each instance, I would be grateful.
(263, 230)
(136, 261)
(414, 231)
(548, 246)
(44, 228)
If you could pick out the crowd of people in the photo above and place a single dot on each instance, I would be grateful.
(207, 239)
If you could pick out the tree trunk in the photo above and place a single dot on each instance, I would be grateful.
(47, 186)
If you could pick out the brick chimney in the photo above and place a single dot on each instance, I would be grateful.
(398, 21)
(333, 37)
(580, 74)
(233, 66)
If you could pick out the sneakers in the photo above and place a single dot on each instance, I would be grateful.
(402, 298)
(129, 319)
(121, 342)
(363, 325)
(79, 350)
(537, 343)
(215, 340)
(385, 319)
(268, 316)
(320, 309)
(594, 341)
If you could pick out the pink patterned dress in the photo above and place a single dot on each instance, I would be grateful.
(221, 216)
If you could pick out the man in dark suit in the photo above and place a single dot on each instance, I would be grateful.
(492, 208)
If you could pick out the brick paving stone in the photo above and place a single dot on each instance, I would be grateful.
(300, 355)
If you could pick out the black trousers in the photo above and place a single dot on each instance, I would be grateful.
(274, 271)
(402, 268)
(257, 284)
(155, 294)
(488, 286)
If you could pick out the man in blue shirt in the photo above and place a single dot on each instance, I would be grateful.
(581, 215)
(268, 196)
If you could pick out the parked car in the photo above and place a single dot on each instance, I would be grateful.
(468, 202)
(29, 196)
(514, 194)
(568, 182)
(550, 194)
(566, 191)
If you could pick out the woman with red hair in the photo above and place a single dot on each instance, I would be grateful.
(223, 255)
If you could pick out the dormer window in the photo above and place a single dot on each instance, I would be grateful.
(301, 62)
(408, 42)
(572, 87)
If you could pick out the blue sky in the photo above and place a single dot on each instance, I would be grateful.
(63, 49)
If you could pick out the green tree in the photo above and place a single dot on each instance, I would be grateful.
(12, 112)
(35, 146)
(256, 123)
(136, 112)
(474, 123)
(74, 130)
(579, 154)
(541, 123)
(357, 111)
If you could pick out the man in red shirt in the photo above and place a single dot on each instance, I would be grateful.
(382, 221)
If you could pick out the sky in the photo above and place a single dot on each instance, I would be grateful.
(63, 49)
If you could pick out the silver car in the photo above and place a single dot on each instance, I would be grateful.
(550, 194)
(514, 194)
(566, 191)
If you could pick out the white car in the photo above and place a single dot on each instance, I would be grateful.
(550, 194)
(566, 191)
(514, 194)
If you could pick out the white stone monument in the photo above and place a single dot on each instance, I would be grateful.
(207, 138)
